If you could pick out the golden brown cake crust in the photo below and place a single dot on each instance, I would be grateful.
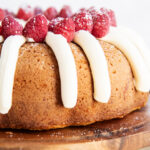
(37, 100)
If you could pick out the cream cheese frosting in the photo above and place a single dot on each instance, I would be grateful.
(30, 40)
(67, 68)
(8, 61)
(137, 41)
(139, 68)
(98, 64)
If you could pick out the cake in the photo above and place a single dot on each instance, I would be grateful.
(64, 69)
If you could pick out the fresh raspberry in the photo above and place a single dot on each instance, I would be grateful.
(8, 13)
(53, 23)
(83, 21)
(11, 27)
(25, 13)
(65, 27)
(2, 14)
(50, 13)
(37, 10)
(111, 15)
(101, 25)
(65, 12)
(36, 28)
(93, 11)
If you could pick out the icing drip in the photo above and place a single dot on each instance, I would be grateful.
(67, 68)
(137, 41)
(140, 70)
(98, 64)
(30, 40)
(8, 61)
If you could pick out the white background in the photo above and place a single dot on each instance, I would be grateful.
(131, 13)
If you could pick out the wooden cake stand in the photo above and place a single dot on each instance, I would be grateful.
(129, 133)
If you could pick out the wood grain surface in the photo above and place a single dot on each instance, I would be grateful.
(130, 133)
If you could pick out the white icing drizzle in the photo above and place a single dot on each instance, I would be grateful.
(8, 61)
(140, 70)
(67, 68)
(98, 64)
(30, 40)
(137, 41)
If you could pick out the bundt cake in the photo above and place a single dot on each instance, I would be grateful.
(69, 71)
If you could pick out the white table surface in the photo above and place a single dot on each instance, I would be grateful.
(131, 13)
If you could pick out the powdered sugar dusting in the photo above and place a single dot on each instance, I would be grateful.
(83, 21)
(54, 22)
(11, 27)
(36, 28)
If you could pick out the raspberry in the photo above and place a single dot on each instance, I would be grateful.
(53, 23)
(65, 27)
(36, 28)
(111, 15)
(2, 14)
(93, 11)
(100, 25)
(11, 27)
(25, 13)
(8, 13)
(50, 13)
(37, 11)
(65, 12)
(83, 21)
